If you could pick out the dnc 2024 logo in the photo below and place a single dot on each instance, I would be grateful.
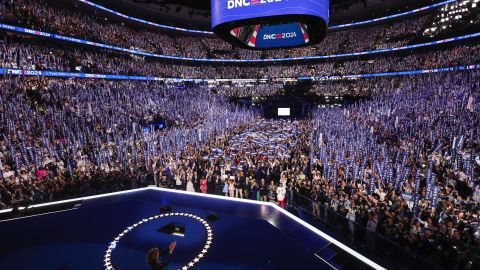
(279, 36)
(245, 3)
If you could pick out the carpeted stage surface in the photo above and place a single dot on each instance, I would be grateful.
(79, 238)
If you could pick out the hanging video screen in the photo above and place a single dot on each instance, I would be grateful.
(268, 24)
(272, 36)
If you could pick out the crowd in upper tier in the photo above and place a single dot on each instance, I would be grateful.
(41, 15)
(25, 54)
(405, 163)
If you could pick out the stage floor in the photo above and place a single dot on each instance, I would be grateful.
(242, 237)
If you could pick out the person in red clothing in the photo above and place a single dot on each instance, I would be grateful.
(203, 185)
(40, 173)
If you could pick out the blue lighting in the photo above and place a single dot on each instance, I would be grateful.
(172, 57)
(24, 72)
(211, 33)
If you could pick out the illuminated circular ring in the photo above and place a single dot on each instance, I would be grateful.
(107, 258)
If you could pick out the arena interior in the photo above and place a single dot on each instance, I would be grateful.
(240, 134)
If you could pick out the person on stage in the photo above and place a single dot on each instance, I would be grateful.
(157, 259)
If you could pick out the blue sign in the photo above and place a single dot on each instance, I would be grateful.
(60, 74)
(224, 11)
(281, 35)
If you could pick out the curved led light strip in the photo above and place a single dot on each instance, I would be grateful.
(107, 259)
(145, 21)
(211, 33)
(391, 16)
(59, 74)
(13, 28)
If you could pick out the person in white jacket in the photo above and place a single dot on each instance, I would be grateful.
(351, 220)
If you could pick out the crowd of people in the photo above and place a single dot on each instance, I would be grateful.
(404, 163)
(53, 130)
(41, 15)
(23, 53)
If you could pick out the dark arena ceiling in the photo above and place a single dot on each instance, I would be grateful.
(196, 13)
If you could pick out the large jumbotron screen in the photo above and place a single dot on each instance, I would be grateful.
(266, 24)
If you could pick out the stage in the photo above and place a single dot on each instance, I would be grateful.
(115, 231)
